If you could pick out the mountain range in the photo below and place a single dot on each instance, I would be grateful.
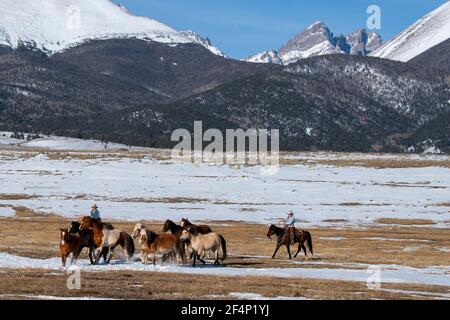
(110, 75)
(318, 40)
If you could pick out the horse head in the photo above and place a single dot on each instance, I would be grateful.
(137, 230)
(271, 231)
(142, 237)
(167, 225)
(74, 227)
(185, 234)
(64, 233)
(185, 223)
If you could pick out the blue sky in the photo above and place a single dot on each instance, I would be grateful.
(245, 27)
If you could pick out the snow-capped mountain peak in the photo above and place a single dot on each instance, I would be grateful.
(55, 25)
(427, 32)
(315, 40)
(205, 42)
(362, 42)
(270, 56)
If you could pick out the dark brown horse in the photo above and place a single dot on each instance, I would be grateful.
(86, 240)
(203, 229)
(176, 230)
(171, 226)
(300, 237)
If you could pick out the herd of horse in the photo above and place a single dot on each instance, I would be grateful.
(173, 243)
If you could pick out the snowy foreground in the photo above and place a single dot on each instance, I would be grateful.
(135, 189)
(437, 275)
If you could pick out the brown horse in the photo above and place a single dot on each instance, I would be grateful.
(106, 238)
(164, 243)
(86, 240)
(203, 229)
(300, 237)
(69, 244)
(205, 242)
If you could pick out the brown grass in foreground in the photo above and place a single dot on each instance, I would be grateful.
(23, 284)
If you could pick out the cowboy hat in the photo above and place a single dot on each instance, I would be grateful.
(290, 212)
(94, 206)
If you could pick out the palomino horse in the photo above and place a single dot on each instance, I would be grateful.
(105, 238)
(86, 240)
(163, 243)
(203, 229)
(204, 242)
(69, 244)
(300, 236)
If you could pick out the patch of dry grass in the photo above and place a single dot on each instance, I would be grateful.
(14, 196)
(370, 163)
(405, 222)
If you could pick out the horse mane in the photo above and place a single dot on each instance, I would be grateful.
(187, 222)
(151, 236)
(172, 226)
(193, 229)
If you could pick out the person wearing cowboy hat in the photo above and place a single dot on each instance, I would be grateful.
(290, 226)
(95, 214)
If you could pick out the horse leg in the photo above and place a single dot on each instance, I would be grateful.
(298, 251)
(98, 253)
(194, 257)
(201, 259)
(216, 256)
(91, 249)
(276, 250)
(105, 252)
(183, 254)
(63, 260)
(111, 253)
(154, 258)
(75, 255)
(288, 246)
(304, 250)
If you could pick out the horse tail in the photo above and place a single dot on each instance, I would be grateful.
(128, 244)
(224, 247)
(309, 240)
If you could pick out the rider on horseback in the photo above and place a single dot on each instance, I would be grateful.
(290, 226)
(95, 214)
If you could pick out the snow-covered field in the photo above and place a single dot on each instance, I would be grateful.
(134, 189)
